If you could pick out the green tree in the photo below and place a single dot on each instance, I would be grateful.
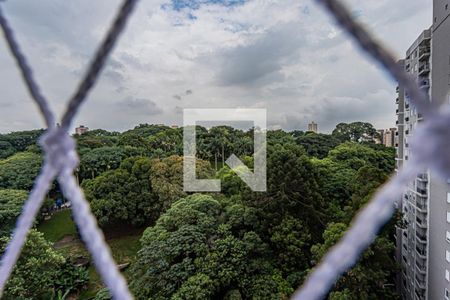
(96, 138)
(11, 203)
(356, 132)
(40, 271)
(371, 277)
(356, 156)
(193, 253)
(20, 170)
(291, 189)
(98, 160)
(123, 195)
(147, 130)
(18, 141)
(317, 144)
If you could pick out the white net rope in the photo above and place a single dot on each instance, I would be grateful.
(61, 159)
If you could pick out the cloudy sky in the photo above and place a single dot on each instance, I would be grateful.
(283, 55)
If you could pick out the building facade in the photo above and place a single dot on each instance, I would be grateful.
(439, 207)
(423, 242)
(387, 137)
(412, 240)
(81, 129)
(312, 127)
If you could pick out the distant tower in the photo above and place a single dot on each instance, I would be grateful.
(381, 139)
(80, 130)
(312, 127)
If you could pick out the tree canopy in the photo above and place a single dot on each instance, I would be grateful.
(20, 170)
(40, 270)
(11, 203)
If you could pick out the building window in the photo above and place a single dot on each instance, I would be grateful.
(447, 275)
(448, 197)
(447, 255)
(448, 217)
(448, 236)
(447, 294)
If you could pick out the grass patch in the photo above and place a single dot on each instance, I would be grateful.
(124, 247)
(60, 225)
(124, 250)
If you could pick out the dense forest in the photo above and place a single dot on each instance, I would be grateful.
(236, 244)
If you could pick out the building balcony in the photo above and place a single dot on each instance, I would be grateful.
(422, 208)
(421, 192)
(421, 239)
(424, 69)
(424, 53)
(423, 177)
(419, 294)
(421, 204)
(421, 221)
(420, 281)
(397, 100)
(421, 232)
(421, 251)
(421, 268)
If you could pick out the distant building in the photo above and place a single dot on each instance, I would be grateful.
(80, 130)
(174, 126)
(387, 137)
(380, 140)
(312, 127)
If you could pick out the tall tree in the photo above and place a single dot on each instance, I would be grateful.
(371, 277)
(356, 132)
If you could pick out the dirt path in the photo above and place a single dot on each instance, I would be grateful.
(67, 240)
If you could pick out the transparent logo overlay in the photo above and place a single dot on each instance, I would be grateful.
(256, 180)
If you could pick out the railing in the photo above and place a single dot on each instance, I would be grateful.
(424, 68)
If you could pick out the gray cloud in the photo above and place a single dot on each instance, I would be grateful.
(250, 63)
(285, 56)
(139, 106)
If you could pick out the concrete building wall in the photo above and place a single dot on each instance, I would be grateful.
(439, 263)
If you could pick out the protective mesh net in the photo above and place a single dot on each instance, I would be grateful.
(61, 159)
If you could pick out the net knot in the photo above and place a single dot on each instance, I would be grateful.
(59, 149)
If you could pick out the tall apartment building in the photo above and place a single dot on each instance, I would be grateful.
(423, 245)
(387, 137)
(312, 127)
(412, 240)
